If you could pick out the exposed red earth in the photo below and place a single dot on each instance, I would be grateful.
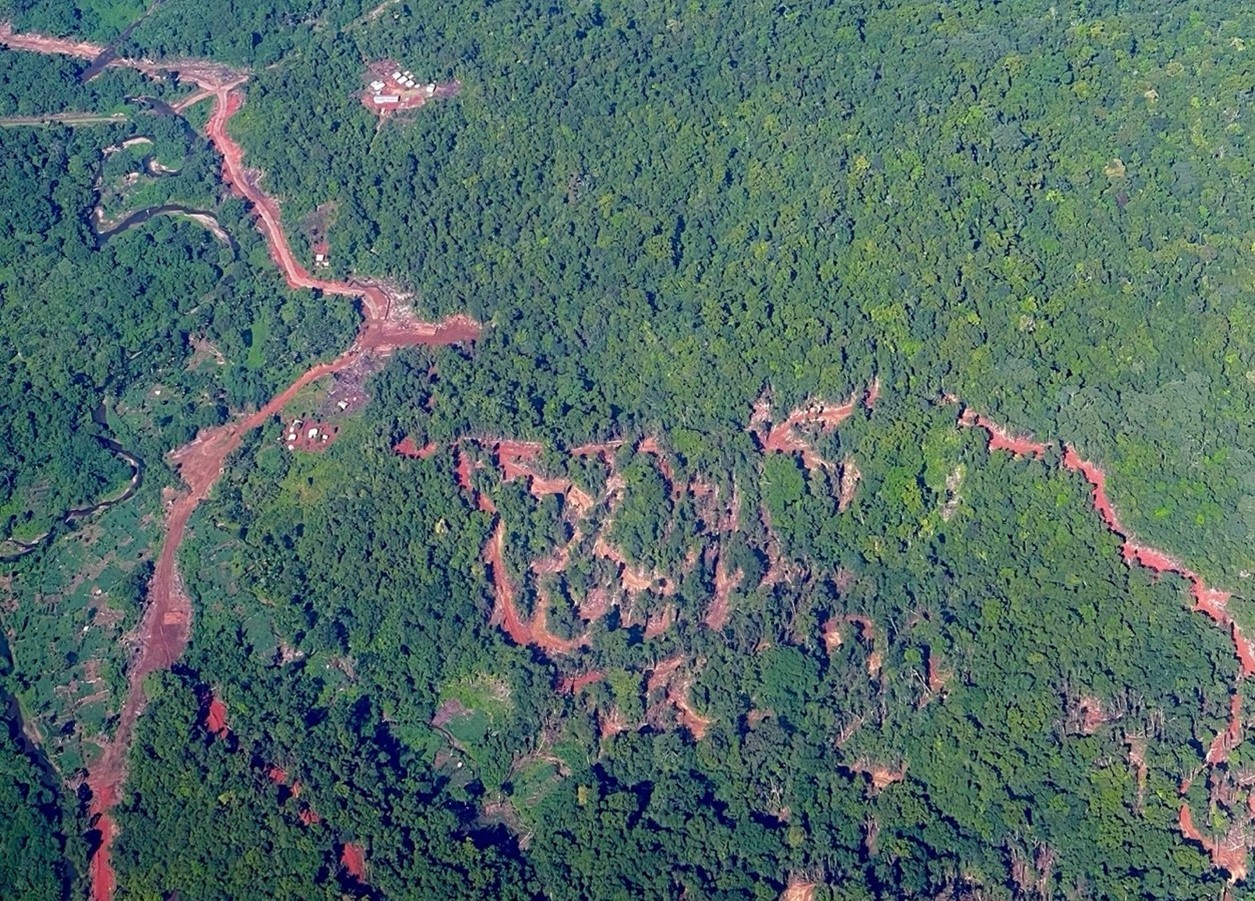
(799, 890)
(574, 684)
(516, 460)
(313, 437)
(1092, 713)
(1227, 852)
(880, 775)
(38, 43)
(832, 635)
(999, 439)
(1230, 851)
(781, 438)
(216, 725)
(407, 447)
(872, 394)
(937, 677)
(216, 718)
(603, 449)
(353, 856)
(393, 94)
(612, 723)
(505, 611)
(650, 445)
(166, 625)
(596, 604)
(1231, 737)
(725, 584)
(1210, 601)
(784, 438)
(660, 621)
(668, 677)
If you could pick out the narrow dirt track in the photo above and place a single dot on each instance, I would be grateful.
(166, 625)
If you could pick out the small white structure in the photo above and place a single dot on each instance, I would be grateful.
(343, 405)
(312, 434)
(376, 86)
(397, 76)
(386, 99)
(431, 88)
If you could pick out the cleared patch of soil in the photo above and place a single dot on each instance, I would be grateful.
(353, 857)
(785, 437)
(216, 717)
(573, 684)
(1000, 439)
(407, 447)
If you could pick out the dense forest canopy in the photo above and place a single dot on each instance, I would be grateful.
(753, 547)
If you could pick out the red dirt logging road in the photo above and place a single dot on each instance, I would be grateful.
(166, 626)
(1228, 852)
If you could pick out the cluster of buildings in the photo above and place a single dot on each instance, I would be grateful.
(388, 93)
(312, 435)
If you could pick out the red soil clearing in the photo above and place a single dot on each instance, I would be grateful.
(407, 98)
(658, 623)
(832, 635)
(604, 449)
(216, 718)
(505, 612)
(1210, 601)
(784, 439)
(612, 724)
(353, 857)
(1228, 853)
(881, 776)
(1098, 481)
(573, 684)
(999, 439)
(513, 457)
(1092, 714)
(166, 626)
(316, 444)
(725, 583)
(1231, 737)
(406, 447)
(596, 604)
(555, 562)
(462, 469)
(662, 673)
(872, 394)
(666, 676)
(1224, 855)
(799, 891)
(650, 445)
(937, 677)
(38, 43)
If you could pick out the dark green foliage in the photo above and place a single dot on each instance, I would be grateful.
(37, 860)
(86, 319)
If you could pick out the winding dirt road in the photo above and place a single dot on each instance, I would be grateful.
(166, 625)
